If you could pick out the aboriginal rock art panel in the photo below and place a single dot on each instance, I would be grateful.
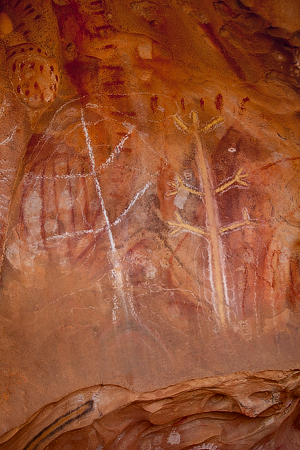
(92, 181)
(94, 194)
(213, 229)
(149, 196)
(257, 291)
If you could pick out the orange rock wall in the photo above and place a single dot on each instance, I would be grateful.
(149, 206)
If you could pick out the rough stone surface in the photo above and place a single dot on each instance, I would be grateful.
(149, 219)
(244, 411)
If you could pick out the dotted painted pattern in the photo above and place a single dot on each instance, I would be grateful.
(34, 75)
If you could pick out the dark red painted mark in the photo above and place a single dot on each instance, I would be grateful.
(38, 16)
(31, 48)
(19, 88)
(56, 77)
(126, 150)
(27, 92)
(104, 27)
(41, 68)
(36, 85)
(14, 67)
(17, 4)
(13, 53)
(39, 50)
(22, 65)
(242, 107)
(27, 7)
(106, 47)
(55, 87)
(98, 2)
(26, 32)
(295, 158)
(30, 11)
(22, 50)
(233, 64)
(182, 104)
(219, 102)
(32, 66)
(202, 104)
(20, 25)
(51, 69)
(114, 83)
(154, 103)
(42, 97)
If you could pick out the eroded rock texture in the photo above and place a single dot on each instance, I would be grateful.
(237, 412)
(149, 212)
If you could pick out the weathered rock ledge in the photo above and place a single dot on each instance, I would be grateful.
(240, 412)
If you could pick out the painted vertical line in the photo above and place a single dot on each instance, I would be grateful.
(69, 182)
(97, 184)
(43, 208)
(117, 272)
(255, 303)
(213, 231)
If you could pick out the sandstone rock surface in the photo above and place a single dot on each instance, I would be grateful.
(149, 213)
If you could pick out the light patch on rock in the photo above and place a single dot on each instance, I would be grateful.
(145, 49)
(157, 440)
(51, 226)
(32, 208)
(173, 438)
(180, 198)
(151, 271)
(13, 255)
(65, 201)
(206, 447)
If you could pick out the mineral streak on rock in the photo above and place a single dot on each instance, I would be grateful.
(149, 224)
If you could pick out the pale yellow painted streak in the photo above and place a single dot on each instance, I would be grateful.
(185, 226)
(212, 228)
(211, 124)
(238, 178)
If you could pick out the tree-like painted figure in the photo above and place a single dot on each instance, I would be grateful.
(213, 230)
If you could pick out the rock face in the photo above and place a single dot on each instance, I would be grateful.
(235, 412)
(149, 224)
